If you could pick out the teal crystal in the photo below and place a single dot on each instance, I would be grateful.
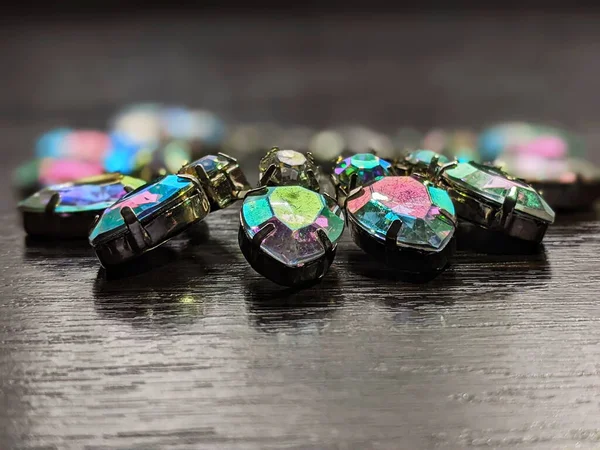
(144, 202)
(426, 212)
(494, 185)
(365, 166)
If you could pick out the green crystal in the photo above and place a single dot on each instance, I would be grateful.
(297, 214)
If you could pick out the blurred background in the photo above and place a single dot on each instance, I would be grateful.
(398, 72)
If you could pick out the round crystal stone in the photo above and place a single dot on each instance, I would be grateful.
(366, 167)
(426, 212)
(297, 214)
(493, 185)
(291, 168)
(88, 194)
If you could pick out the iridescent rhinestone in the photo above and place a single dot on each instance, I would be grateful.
(364, 167)
(424, 158)
(426, 212)
(88, 194)
(494, 185)
(145, 201)
(297, 215)
(291, 168)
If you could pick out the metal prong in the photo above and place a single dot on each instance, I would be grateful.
(339, 159)
(227, 157)
(201, 173)
(310, 157)
(353, 182)
(372, 151)
(312, 176)
(391, 236)
(52, 203)
(359, 191)
(448, 216)
(94, 223)
(327, 245)
(441, 169)
(266, 176)
(141, 239)
(508, 206)
(193, 179)
(261, 190)
(262, 234)
(433, 167)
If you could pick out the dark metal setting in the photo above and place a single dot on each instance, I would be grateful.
(49, 223)
(278, 272)
(225, 186)
(410, 260)
(143, 235)
(504, 218)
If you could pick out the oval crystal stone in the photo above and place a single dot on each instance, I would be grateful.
(145, 201)
(366, 167)
(291, 168)
(494, 185)
(422, 209)
(297, 214)
(87, 194)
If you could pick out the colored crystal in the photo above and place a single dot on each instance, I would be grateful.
(87, 145)
(365, 166)
(417, 205)
(52, 143)
(55, 171)
(424, 157)
(494, 185)
(88, 194)
(291, 168)
(297, 214)
(530, 139)
(144, 202)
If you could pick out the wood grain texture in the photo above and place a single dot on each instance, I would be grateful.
(194, 350)
(198, 351)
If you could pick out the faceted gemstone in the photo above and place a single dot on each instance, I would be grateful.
(365, 166)
(417, 205)
(144, 201)
(297, 214)
(88, 194)
(291, 168)
(424, 157)
(493, 185)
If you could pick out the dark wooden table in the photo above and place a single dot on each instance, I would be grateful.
(194, 350)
